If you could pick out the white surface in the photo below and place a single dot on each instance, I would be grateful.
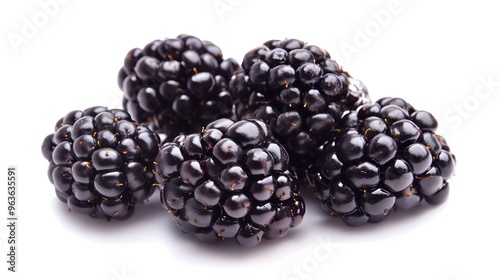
(432, 54)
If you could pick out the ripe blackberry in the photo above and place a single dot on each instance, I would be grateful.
(100, 162)
(387, 157)
(229, 181)
(298, 90)
(177, 84)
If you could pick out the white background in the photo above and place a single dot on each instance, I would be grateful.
(436, 55)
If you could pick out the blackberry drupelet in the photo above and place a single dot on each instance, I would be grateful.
(229, 181)
(100, 162)
(298, 90)
(177, 84)
(387, 157)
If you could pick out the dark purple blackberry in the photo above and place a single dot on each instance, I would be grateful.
(177, 84)
(298, 90)
(387, 157)
(100, 162)
(230, 181)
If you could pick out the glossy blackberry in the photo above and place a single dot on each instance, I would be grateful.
(387, 157)
(299, 90)
(177, 84)
(229, 181)
(100, 162)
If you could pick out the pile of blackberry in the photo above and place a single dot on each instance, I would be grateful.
(230, 181)
(100, 162)
(240, 142)
(299, 90)
(177, 85)
(387, 157)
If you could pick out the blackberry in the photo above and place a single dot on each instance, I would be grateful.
(177, 84)
(299, 90)
(388, 156)
(100, 162)
(229, 181)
